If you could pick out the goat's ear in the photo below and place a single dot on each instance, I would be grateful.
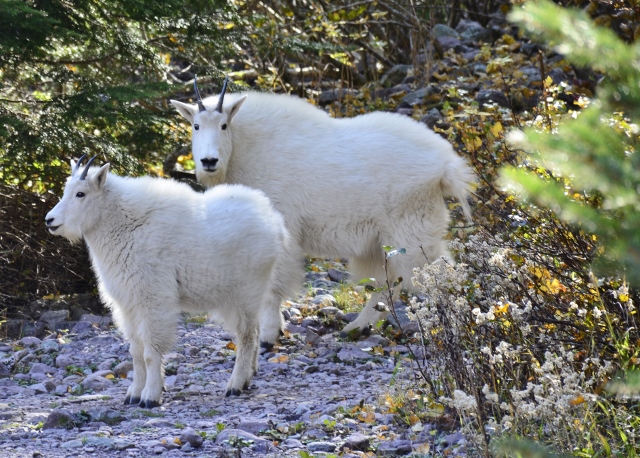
(100, 178)
(73, 166)
(234, 107)
(185, 109)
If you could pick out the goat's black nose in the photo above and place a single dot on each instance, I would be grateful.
(49, 221)
(209, 162)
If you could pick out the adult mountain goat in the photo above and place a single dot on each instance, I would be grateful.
(159, 248)
(346, 187)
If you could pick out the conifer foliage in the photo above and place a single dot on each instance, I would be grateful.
(93, 76)
(589, 168)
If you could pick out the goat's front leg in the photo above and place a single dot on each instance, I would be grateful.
(157, 334)
(247, 335)
(139, 372)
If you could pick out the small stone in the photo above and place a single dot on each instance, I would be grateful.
(441, 30)
(54, 318)
(254, 426)
(356, 441)
(50, 346)
(60, 418)
(227, 434)
(338, 276)
(417, 97)
(189, 435)
(122, 369)
(492, 96)
(72, 444)
(312, 338)
(321, 446)
(396, 75)
(40, 368)
(30, 341)
(64, 361)
(394, 448)
(292, 443)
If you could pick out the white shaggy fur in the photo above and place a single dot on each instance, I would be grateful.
(346, 187)
(159, 248)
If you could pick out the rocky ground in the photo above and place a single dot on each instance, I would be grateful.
(315, 394)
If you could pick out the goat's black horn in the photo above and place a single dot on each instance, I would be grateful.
(198, 97)
(86, 169)
(221, 98)
(77, 167)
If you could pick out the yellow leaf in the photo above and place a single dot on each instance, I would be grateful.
(548, 82)
(577, 400)
(508, 39)
(177, 441)
(623, 297)
(496, 129)
(231, 346)
(109, 376)
(413, 419)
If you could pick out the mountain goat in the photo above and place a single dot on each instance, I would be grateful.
(346, 187)
(159, 248)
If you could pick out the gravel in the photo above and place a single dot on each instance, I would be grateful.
(314, 392)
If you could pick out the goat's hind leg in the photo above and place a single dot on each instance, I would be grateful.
(247, 335)
(287, 281)
(139, 372)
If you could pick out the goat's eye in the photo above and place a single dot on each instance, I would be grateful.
(79, 194)
(196, 126)
(224, 126)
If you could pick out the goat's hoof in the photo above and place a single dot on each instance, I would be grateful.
(233, 392)
(149, 404)
(355, 333)
(130, 400)
(267, 345)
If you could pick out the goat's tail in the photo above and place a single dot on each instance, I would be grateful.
(458, 181)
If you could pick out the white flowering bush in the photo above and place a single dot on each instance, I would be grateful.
(518, 350)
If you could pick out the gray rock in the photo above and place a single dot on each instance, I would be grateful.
(122, 369)
(253, 425)
(97, 319)
(53, 318)
(531, 73)
(321, 446)
(476, 34)
(432, 117)
(30, 341)
(228, 434)
(394, 448)
(396, 75)
(189, 436)
(97, 383)
(331, 95)
(60, 418)
(338, 275)
(492, 96)
(98, 441)
(75, 443)
(351, 354)
(417, 97)
(447, 43)
(292, 443)
(441, 30)
(356, 441)
(454, 438)
(50, 346)
(40, 368)
(312, 338)
(64, 360)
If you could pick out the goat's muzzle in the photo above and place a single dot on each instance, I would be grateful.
(49, 223)
(209, 164)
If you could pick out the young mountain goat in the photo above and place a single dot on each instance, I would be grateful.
(346, 187)
(159, 248)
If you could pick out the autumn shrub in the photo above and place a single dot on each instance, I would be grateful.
(522, 339)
